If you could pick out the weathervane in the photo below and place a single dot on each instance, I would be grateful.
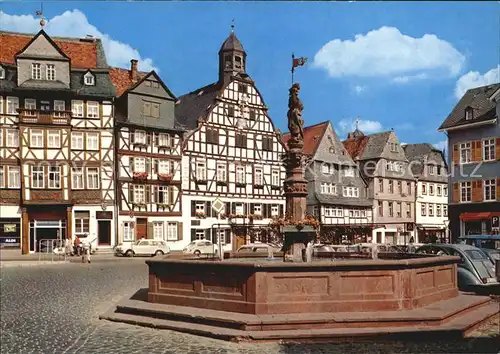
(39, 13)
(232, 26)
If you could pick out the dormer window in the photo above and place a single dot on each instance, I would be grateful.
(2, 73)
(36, 71)
(469, 113)
(89, 79)
(50, 72)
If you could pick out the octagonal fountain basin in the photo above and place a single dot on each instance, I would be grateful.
(260, 299)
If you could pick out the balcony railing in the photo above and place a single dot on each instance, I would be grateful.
(37, 116)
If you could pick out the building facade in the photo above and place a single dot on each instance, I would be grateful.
(148, 158)
(474, 144)
(430, 170)
(57, 144)
(337, 193)
(232, 153)
(391, 185)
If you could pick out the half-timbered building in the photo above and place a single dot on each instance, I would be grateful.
(148, 158)
(337, 192)
(56, 138)
(232, 152)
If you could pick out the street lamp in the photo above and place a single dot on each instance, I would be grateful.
(446, 223)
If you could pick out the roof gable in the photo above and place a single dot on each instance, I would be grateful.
(479, 100)
(312, 137)
(83, 54)
(331, 149)
(122, 79)
(153, 76)
(42, 46)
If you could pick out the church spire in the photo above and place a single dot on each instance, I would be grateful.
(232, 57)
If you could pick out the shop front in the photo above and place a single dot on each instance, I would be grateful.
(10, 233)
(431, 234)
(473, 219)
(44, 226)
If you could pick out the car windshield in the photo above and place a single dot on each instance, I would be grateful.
(476, 255)
(191, 244)
(137, 242)
(494, 254)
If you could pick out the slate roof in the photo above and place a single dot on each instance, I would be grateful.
(312, 137)
(122, 80)
(84, 53)
(415, 151)
(191, 106)
(232, 43)
(423, 153)
(476, 98)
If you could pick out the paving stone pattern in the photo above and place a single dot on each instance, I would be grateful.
(49, 309)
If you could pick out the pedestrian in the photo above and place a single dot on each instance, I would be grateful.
(67, 246)
(77, 245)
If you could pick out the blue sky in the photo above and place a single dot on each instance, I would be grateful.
(398, 65)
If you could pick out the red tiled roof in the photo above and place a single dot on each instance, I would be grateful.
(355, 146)
(312, 137)
(122, 80)
(83, 55)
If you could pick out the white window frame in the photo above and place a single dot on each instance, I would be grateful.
(59, 108)
(163, 166)
(489, 190)
(257, 209)
(199, 234)
(93, 109)
(390, 207)
(140, 164)
(158, 230)
(54, 177)
(431, 189)
(36, 138)
(77, 139)
(239, 209)
(439, 191)
(2, 177)
(275, 177)
(201, 171)
(199, 207)
(1, 104)
(12, 138)
(423, 209)
(240, 174)
(445, 210)
(12, 105)
(2, 73)
(221, 172)
(93, 178)
(325, 168)
(53, 139)
(128, 231)
(431, 169)
(424, 188)
(465, 192)
(140, 137)
(36, 71)
(431, 209)
(30, 106)
(93, 141)
(77, 108)
(259, 176)
(163, 195)
(445, 191)
(138, 193)
(163, 139)
(14, 176)
(37, 183)
(438, 210)
(275, 210)
(50, 72)
(489, 149)
(349, 172)
(465, 152)
(89, 79)
(172, 231)
(82, 222)
(77, 180)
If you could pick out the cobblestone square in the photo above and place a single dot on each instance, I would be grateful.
(55, 309)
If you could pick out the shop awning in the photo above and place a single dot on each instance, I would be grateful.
(430, 227)
(478, 216)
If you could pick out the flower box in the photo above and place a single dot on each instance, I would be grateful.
(200, 181)
(295, 228)
(200, 215)
(258, 185)
(165, 177)
(140, 175)
(240, 184)
(275, 187)
(140, 144)
(139, 205)
(221, 183)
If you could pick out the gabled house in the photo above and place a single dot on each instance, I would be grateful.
(473, 132)
(148, 158)
(232, 153)
(56, 141)
(430, 170)
(384, 166)
(337, 193)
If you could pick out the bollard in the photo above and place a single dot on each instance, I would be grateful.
(497, 268)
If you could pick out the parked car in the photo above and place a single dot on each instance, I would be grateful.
(476, 272)
(493, 254)
(199, 247)
(142, 248)
(257, 247)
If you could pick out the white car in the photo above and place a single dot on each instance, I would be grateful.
(199, 247)
(142, 248)
(258, 247)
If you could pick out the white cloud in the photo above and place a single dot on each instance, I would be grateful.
(386, 52)
(475, 79)
(366, 126)
(75, 24)
(359, 89)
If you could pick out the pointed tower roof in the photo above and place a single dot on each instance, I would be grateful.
(232, 43)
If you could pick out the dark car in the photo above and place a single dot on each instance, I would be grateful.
(492, 254)
(476, 272)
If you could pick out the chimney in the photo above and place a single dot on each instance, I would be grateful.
(133, 70)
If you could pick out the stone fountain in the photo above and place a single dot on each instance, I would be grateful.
(261, 300)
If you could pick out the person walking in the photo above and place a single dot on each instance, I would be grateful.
(77, 245)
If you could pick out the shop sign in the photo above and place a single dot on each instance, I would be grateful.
(495, 222)
(10, 241)
(104, 215)
(9, 228)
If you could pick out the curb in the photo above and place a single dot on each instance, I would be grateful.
(13, 264)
